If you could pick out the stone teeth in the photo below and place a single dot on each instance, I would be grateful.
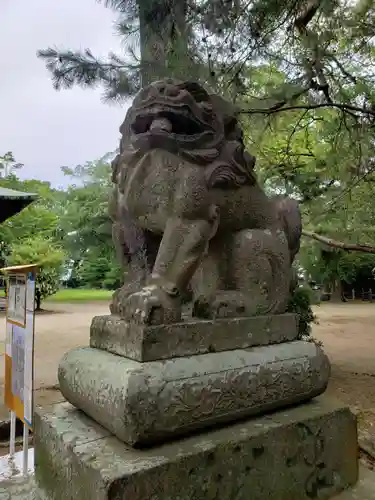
(161, 124)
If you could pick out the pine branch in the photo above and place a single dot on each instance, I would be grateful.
(281, 107)
(69, 68)
(118, 5)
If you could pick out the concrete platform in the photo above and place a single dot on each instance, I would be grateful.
(364, 490)
(311, 451)
(12, 467)
(27, 490)
(20, 489)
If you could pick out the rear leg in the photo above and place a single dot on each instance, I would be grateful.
(254, 279)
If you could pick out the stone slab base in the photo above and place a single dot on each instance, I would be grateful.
(21, 489)
(27, 489)
(149, 343)
(146, 403)
(306, 452)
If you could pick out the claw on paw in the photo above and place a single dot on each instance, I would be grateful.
(151, 306)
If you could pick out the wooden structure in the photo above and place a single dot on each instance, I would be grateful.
(12, 202)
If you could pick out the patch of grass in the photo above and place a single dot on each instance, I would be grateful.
(80, 295)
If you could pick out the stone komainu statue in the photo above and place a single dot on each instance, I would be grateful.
(188, 213)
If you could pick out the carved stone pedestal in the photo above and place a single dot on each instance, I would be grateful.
(297, 454)
(169, 388)
(138, 388)
(146, 403)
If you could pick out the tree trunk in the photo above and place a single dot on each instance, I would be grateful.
(350, 247)
(337, 294)
(38, 301)
(163, 35)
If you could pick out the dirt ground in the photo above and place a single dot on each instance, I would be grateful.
(58, 329)
(346, 330)
(348, 335)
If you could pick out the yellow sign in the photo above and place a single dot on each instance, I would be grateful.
(19, 348)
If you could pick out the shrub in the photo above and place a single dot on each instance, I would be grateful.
(300, 304)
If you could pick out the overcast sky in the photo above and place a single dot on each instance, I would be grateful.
(46, 129)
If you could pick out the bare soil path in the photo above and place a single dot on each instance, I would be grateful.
(348, 335)
(58, 329)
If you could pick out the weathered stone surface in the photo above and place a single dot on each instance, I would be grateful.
(143, 403)
(188, 211)
(149, 343)
(21, 489)
(363, 490)
(302, 453)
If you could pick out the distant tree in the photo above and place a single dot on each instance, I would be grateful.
(48, 255)
(87, 227)
(8, 165)
(99, 271)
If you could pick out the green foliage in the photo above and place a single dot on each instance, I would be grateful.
(30, 237)
(85, 221)
(47, 284)
(355, 266)
(97, 271)
(323, 158)
(326, 266)
(48, 255)
(41, 217)
(87, 228)
(300, 304)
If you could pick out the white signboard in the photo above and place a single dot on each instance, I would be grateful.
(19, 351)
(16, 312)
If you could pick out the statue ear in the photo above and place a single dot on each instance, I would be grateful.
(290, 215)
(196, 90)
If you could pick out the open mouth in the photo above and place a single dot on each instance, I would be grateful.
(179, 122)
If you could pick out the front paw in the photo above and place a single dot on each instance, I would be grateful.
(151, 306)
(120, 296)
